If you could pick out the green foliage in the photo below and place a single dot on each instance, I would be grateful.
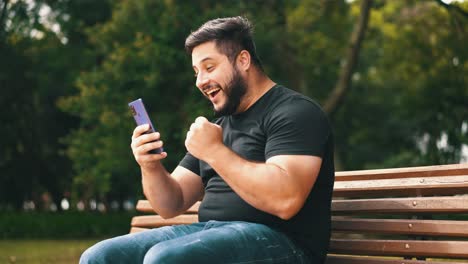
(319, 31)
(412, 90)
(32, 123)
(65, 225)
(139, 59)
(35, 71)
(64, 96)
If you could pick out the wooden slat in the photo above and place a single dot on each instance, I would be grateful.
(158, 221)
(414, 248)
(447, 185)
(401, 226)
(403, 205)
(137, 229)
(424, 171)
(340, 259)
(145, 206)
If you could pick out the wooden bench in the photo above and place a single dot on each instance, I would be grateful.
(388, 216)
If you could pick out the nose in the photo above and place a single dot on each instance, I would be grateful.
(202, 80)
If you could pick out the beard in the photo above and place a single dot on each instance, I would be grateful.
(234, 90)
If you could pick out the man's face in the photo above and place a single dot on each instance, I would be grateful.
(218, 79)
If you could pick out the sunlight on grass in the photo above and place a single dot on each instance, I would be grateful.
(42, 251)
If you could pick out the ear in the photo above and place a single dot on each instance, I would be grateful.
(243, 60)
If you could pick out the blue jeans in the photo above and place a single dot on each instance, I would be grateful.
(207, 242)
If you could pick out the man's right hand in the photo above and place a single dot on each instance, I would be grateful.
(141, 145)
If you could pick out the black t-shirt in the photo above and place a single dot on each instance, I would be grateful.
(281, 122)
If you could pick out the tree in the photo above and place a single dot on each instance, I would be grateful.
(343, 84)
(409, 91)
(36, 50)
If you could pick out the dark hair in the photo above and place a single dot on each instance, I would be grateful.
(231, 35)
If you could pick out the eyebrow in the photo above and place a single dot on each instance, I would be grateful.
(203, 60)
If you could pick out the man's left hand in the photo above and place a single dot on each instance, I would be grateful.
(204, 139)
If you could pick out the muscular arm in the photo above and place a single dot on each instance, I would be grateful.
(170, 194)
(279, 187)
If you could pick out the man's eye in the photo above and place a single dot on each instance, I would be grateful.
(210, 68)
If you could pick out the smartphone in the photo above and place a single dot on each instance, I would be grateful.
(141, 117)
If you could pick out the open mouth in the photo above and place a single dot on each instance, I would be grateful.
(212, 91)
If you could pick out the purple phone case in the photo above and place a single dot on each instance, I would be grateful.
(141, 117)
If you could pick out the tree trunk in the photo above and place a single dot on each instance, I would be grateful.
(3, 18)
(342, 86)
(3, 12)
(454, 7)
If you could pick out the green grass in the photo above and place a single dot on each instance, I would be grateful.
(42, 251)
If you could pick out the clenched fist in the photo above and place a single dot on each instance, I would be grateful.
(204, 139)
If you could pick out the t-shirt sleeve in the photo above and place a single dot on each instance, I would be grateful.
(298, 128)
(190, 163)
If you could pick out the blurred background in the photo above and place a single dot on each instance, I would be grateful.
(392, 76)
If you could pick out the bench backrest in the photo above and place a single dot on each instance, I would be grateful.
(389, 216)
(408, 212)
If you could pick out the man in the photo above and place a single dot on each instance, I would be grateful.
(263, 169)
